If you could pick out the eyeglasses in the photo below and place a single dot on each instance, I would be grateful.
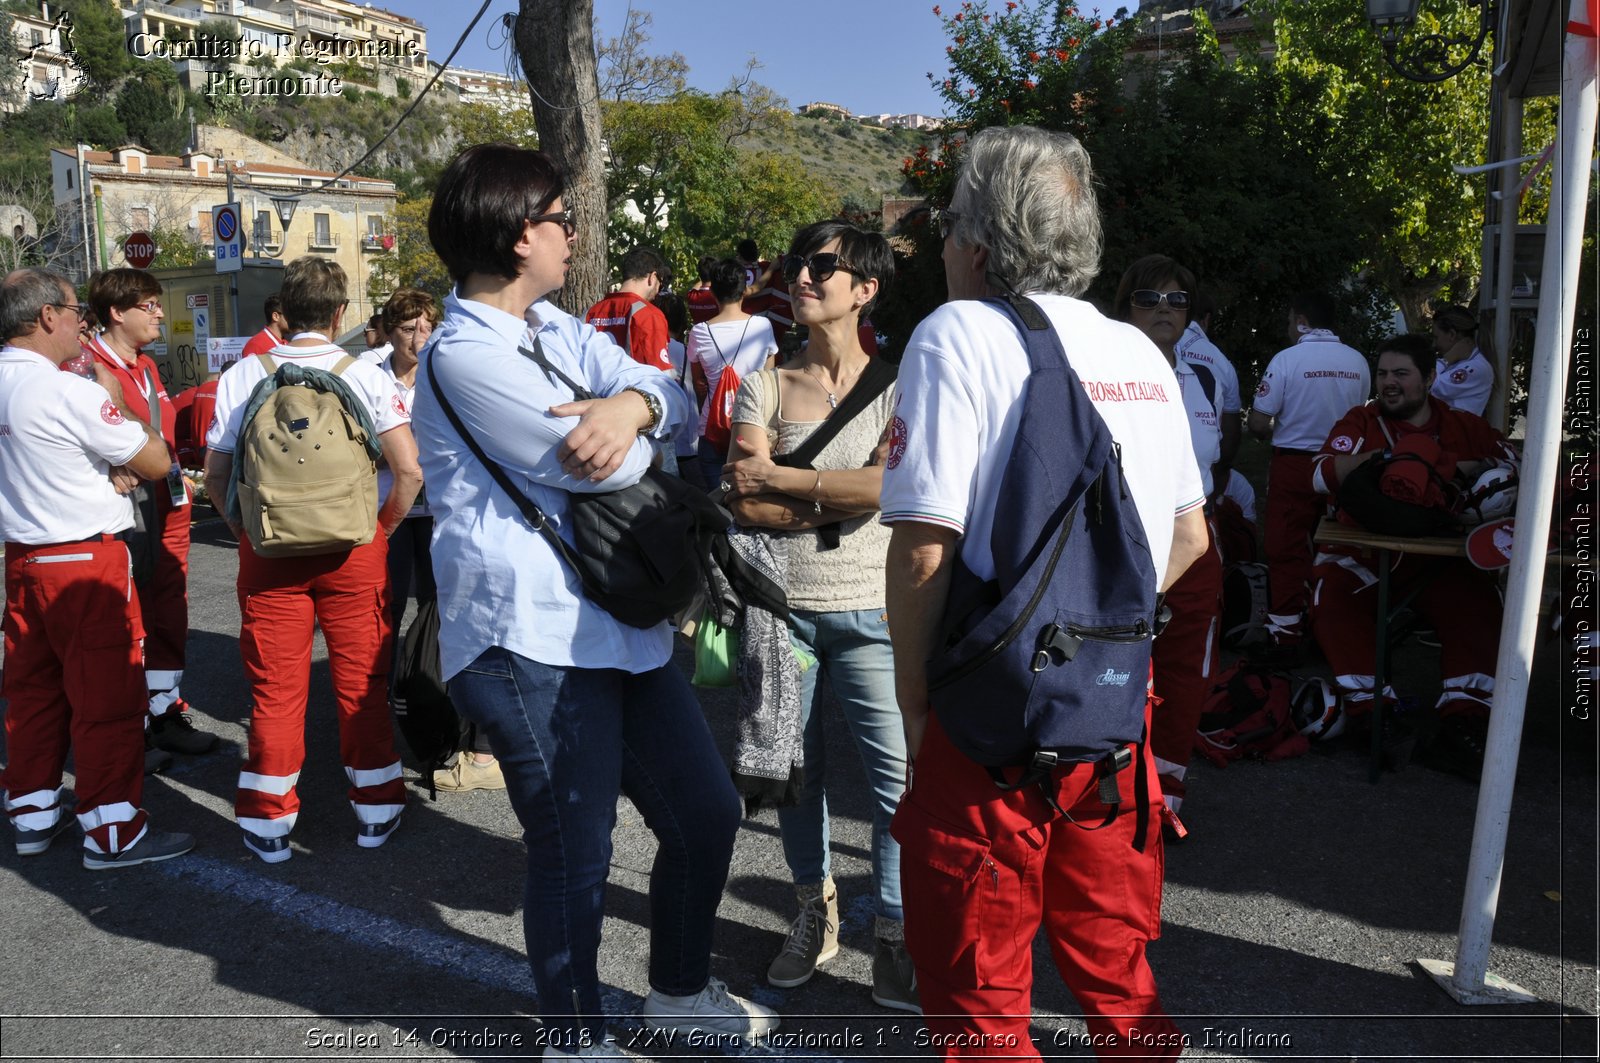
(1146, 299)
(81, 311)
(152, 307)
(564, 218)
(821, 266)
(945, 220)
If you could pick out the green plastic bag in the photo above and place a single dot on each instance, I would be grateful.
(716, 652)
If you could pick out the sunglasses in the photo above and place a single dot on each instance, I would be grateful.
(1146, 299)
(564, 218)
(821, 266)
(945, 220)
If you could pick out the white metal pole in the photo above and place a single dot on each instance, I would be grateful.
(1510, 206)
(1466, 980)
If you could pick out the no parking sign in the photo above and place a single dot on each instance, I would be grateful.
(228, 238)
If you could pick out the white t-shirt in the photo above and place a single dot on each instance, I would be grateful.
(59, 437)
(957, 409)
(385, 476)
(1466, 384)
(746, 345)
(1195, 347)
(375, 387)
(686, 440)
(1205, 427)
(1309, 386)
(1239, 489)
(376, 355)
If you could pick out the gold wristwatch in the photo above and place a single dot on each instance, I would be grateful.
(652, 404)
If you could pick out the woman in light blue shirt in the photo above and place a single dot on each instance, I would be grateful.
(578, 706)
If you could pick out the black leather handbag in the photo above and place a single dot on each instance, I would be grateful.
(640, 553)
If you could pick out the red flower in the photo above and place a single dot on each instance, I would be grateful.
(1029, 85)
(959, 16)
(971, 93)
(1063, 56)
(1006, 104)
(1033, 57)
(947, 83)
(1010, 6)
(936, 9)
(986, 18)
(961, 40)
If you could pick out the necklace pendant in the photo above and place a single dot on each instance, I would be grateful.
(833, 401)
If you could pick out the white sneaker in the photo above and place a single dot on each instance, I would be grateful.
(713, 1011)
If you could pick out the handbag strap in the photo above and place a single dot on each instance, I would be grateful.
(551, 373)
(530, 510)
(875, 380)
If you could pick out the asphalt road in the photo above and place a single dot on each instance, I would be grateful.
(1293, 916)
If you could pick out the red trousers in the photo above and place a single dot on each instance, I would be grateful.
(281, 600)
(1184, 660)
(981, 869)
(164, 601)
(1293, 510)
(1462, 603)
(74, 677)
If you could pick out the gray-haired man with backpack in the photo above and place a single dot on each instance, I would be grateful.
(293, 448)
(990, 851)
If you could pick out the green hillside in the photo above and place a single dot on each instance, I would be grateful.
(862, 161)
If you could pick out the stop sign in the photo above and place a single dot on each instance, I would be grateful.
(140, 250)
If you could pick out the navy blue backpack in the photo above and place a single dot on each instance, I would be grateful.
(1047, 664)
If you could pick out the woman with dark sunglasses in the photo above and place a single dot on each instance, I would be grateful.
(835, 552)
(1154, 297)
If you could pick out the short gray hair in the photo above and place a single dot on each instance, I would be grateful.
(1026, 194)
(23, 296)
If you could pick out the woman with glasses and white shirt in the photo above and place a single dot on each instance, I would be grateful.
(732, 338)
(836, 553)
(127, 303)
(578, 706)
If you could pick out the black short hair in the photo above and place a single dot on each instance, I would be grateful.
(273, 305)
(675, 310)
(1316, 307)
(727, 281)
(704, 267)
(643, 261)
(1418, 348)
(483, 199)
(747, 250)
(866, 252)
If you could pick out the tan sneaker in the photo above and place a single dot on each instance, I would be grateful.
(813, 939)
(468, 774)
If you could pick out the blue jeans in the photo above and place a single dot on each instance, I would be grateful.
(853, 649)
(569, 740)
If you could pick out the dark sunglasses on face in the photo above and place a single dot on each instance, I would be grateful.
(821, 266)
(1147, 299)
(564, 218)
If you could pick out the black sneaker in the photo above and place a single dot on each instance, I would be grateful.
(1459, 746)
(156, 760)
(175, 732)
(150, 848)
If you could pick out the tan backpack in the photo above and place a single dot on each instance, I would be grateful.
(307, 479)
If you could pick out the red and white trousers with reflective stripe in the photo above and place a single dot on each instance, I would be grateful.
(74, 678)
(281, 600)
(164, 600)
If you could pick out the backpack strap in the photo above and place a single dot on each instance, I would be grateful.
(341, 365)
(266, 360)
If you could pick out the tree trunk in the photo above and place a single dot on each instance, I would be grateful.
(555, 41)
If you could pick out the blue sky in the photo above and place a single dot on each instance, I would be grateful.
(871, 56)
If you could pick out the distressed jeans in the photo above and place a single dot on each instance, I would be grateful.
(569, 741)
(852, 649)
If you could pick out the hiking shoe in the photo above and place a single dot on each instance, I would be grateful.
(1459, 746)
(156, 760)
(372, 835)
(713, 1011)
(467, 774)
(175, 732)
(894, 979)
(271, 850)
(34, 842)
(813, 938)
(150, 848)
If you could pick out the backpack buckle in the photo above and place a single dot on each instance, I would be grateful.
(1054, 641)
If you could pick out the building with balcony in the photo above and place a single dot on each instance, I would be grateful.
(128, 190)
(485, 86)
(45, 68)
(823, 109)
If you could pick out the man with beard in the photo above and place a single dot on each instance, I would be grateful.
(1458, 599)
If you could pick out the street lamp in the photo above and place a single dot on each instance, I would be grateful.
(1428, 57)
